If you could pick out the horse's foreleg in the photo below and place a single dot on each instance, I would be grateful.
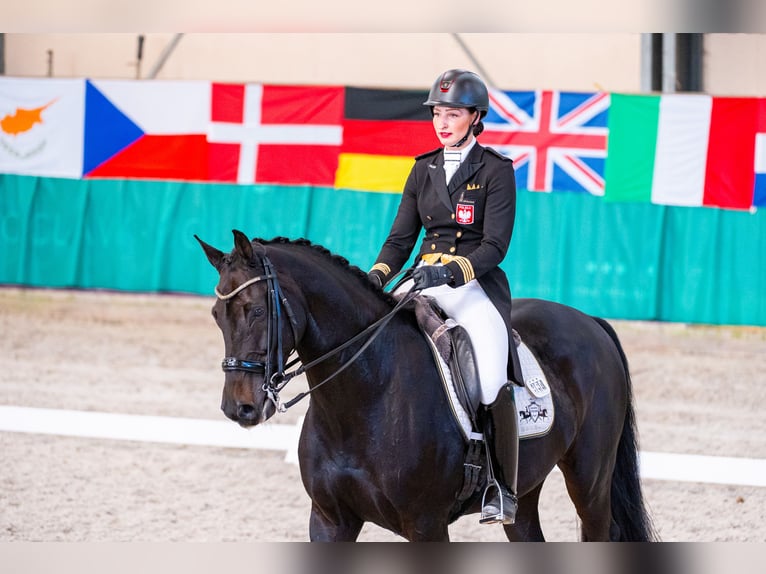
(338, 528)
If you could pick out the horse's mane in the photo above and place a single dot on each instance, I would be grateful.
(337, 260)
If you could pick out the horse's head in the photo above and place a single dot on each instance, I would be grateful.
(257, 333)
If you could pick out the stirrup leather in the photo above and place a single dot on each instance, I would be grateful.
(505, 513)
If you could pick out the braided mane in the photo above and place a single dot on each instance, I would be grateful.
(337, 260)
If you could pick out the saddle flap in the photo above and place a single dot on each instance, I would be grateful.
(465, 372)
(453, 344)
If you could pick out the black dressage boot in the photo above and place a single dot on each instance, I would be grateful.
(501, 435)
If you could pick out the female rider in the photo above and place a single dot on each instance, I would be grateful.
(464, 195)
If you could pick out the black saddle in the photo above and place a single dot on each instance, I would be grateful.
(454, 346)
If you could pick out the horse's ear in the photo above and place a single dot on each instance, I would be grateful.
(243, 245)
(213, 255)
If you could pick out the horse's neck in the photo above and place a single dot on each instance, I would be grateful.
(334, 318)
(335, 321)
(390, 395)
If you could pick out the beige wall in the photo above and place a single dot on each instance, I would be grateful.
(734, 63)
(512, 61)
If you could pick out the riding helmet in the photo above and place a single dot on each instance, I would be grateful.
(459, 89)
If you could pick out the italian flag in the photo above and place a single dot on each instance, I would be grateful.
(684, 149)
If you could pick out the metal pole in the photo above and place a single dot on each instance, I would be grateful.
(646, 62)
(166, 52)
(693, 63)
(2, 54)
(668, 63)
(479, 68)
(139, 55)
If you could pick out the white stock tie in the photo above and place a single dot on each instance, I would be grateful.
(451, 163)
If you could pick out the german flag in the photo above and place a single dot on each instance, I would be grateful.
(383, 130)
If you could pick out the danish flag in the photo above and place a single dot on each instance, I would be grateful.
(275, 134)
(556, 139)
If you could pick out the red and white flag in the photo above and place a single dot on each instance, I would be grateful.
(275, 134)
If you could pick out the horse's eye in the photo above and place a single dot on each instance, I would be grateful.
(258, 312)
(254, 315)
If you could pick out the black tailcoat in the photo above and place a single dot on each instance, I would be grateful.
(471, 220)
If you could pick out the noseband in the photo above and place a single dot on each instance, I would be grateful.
(273, 370)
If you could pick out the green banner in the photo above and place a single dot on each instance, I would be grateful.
(579, 250)
(616, 260)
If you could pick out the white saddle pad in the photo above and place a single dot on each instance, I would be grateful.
(534, 402)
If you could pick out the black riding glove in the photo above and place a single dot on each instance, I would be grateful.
(375, 278)
(431, 276)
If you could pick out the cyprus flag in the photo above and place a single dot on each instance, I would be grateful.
(42, 126)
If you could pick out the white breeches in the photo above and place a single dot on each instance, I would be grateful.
(472, 309)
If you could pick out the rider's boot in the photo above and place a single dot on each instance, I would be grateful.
(501, 435)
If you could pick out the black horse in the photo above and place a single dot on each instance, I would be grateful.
(379, 443)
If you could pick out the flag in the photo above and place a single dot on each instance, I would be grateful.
(556, 139)
(275, 134)
(759, 186)
(383, 130)
(198, 131)
(146, 130)
(41, 127)
(683, 149)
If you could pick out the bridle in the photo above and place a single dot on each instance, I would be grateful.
(274, 370)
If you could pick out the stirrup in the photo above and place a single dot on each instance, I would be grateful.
(506, 511)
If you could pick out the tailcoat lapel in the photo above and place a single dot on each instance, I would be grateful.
(439, 179)
(470, 166)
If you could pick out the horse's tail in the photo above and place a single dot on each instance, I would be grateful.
(628, 507)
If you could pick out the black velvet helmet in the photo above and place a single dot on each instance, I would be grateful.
(459, 89)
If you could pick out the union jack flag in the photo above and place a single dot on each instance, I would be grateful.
(557, 140)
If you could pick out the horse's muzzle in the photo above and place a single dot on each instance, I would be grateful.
(248, 415)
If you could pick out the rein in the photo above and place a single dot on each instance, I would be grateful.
(275, 381)
(373, 331)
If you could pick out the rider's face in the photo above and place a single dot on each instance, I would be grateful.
(451, 124)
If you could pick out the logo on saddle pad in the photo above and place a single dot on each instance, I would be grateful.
(533, 411)
(464, 213)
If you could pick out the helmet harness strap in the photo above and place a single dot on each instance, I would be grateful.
(467, 133)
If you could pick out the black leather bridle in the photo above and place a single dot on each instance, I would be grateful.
(274, 370)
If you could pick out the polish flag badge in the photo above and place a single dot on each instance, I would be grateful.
(464, 214)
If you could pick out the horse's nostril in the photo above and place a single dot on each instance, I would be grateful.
(246, 412)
